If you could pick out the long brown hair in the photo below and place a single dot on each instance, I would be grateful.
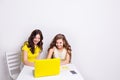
(66, 45)
(31, 43)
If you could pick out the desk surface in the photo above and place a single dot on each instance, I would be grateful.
(65, 74)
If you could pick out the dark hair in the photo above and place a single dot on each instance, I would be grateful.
(65, 43)
(31, 43)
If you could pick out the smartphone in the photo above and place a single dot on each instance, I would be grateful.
(73, 72)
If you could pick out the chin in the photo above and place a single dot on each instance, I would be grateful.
(36, 43)
(59, 47)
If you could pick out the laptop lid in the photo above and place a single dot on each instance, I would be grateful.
(47, 67)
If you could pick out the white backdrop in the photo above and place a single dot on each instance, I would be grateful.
(92, 27)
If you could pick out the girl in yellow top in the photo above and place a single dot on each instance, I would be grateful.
(60, 48)
(32, 48)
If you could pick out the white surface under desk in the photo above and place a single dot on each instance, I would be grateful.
(65, 74)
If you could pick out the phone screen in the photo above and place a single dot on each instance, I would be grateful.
(73, 72)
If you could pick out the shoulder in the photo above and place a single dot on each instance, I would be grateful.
(25, 43)
(25, 46)
(64, 49)
(52, 49)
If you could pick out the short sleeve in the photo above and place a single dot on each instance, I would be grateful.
(25, 47)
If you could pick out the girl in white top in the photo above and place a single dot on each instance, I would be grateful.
(60, 48)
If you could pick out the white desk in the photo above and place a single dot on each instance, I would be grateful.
(65, 74)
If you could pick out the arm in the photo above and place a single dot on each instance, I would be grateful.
(50, 53)
(67, 60)
(25, 59)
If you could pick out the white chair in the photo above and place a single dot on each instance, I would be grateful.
(13, 63)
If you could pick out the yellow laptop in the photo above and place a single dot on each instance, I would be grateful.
(47, 67)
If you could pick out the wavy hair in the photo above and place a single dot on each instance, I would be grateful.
(66, 45)
(31, 43)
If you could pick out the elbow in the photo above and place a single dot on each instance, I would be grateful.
(25, 62)
(67, 62)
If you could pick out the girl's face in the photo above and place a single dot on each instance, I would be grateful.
(59, 43)
(36, 40)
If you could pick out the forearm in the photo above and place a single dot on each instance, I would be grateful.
(63, 62)
(28, 63)
(48, 57)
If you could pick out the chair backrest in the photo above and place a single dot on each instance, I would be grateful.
(13, 63)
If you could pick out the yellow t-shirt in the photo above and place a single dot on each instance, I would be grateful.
(31, 57)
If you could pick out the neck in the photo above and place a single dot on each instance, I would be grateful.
(35, 46)
(60, 48)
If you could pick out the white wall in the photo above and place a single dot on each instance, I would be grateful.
(92, 27)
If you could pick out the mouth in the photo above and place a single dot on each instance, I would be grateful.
(59, 46)
(35, 42)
